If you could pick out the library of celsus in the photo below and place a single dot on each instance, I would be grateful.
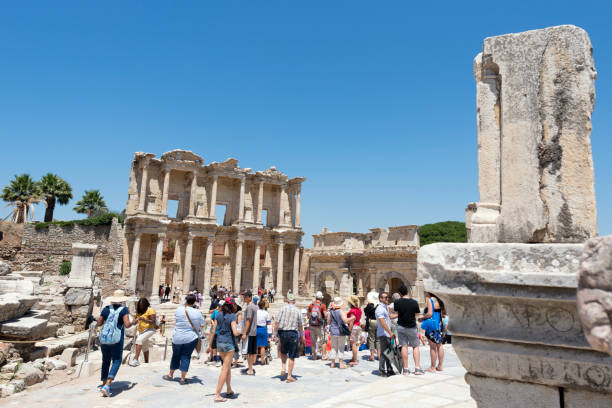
(191, 225)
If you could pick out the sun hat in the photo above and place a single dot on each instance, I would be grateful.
(353, 301)
(290, 297)
(337, 303)
(117, 297)
(373, 298)
(319, 295)
(229, 300)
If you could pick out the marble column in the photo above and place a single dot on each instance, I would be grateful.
(165, 192)
(208, 265)
(296, 270)
(281, 215)
(134, 261)
(256, 264)
(241, 202)
(187, 266)
(192, 194)
(238, 269)
(157, 267)
(279, 269)
(298, 201)
(260, 201)
(213, 197)
(143, 186)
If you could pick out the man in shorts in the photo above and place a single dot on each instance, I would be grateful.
(250, 331)
(407, 310)
(316, 321)
(288, 324)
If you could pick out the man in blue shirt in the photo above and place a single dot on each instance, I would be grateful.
(384, 334)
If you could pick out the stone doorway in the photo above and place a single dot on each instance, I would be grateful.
(392, 285)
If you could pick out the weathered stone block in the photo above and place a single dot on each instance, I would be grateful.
(30, 374)
(69, 356)
(536, 179)
(594, 295)
(581, 399)
(5, 269)
(78, 296)
(14, 305)
(81, 274)
(491, 392)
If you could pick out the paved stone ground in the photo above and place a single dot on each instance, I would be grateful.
(317, 385)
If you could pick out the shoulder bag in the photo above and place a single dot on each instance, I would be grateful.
(198, 346)
(342, 327)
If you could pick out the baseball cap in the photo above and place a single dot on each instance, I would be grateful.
(290, 297)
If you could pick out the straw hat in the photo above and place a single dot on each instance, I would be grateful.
(353, 301)
(373, 298)
(337, 303)
(118, 297)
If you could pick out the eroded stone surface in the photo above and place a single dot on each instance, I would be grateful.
(536, 180)
(14, 305)
(5, 269)
(78, 296)
(594, 297)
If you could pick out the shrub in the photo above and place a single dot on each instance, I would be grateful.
(447, 231)
(65, 268)
(103, 219)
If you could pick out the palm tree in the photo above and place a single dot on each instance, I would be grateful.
(91, 202)
(54, 188)
(21, 194)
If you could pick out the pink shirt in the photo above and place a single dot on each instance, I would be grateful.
(308, 342)
(355, 312)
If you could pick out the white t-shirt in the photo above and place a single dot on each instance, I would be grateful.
(262, 317)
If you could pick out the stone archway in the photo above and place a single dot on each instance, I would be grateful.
(328, 283)
(391, 281)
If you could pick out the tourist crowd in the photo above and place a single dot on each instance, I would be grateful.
(235, 333)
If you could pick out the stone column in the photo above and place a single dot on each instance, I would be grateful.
(298, 201)
(192, 195)
(187, 265)
(281, 215)
(134, 261)
(165, 191)
(256, 262)
(260, 202)
(296, 270)
(213, 197)
(279, 269)
(157, 267)
(208, 265)
(238, 269)
(241, 203)
(143, 186)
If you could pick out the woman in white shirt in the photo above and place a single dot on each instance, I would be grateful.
(263, 317)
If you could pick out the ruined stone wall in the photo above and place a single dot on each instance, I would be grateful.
(45, 249)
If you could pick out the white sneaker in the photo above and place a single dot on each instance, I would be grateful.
(218, 364)
(134, 363)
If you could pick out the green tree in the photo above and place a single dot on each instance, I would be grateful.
(91, 203)
(54, 189)
(447, 231)
(21, 194)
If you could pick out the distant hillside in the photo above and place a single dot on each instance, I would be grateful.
(447, 231)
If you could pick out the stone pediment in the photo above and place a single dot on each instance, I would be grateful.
(182, 155)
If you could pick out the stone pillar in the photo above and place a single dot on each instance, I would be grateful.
(279, 269)
(192, 194)
(143, 186)
(157, 267)
(238, 269)
(134, 261)
(81, 274)
(260, 202)
(213, 197)
(256, 265)
(241, 203)
(296, 270)
(187, 266)
(281, 212)
(208, 265)
(165, 191)
(298, 202)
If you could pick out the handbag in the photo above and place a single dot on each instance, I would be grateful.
(344, 330)
(198, 346)
(431, 324)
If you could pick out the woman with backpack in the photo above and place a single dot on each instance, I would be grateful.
(371, 325)
(338, 330)
(186, 337)
(114, 319)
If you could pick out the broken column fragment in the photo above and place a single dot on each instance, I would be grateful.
(535, 96)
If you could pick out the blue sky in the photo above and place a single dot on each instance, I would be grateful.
(373, 102)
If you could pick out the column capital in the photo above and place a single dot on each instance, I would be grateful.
(161, 235)
(144, 162)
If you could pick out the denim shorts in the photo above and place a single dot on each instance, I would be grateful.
(225, 347)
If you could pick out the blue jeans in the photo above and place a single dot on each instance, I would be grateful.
(114, 353)
(181, 355)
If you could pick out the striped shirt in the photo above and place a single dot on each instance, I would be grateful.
(289, 318)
